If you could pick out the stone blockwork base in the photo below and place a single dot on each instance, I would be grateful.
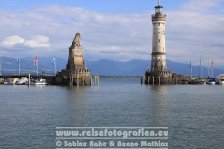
(73, 79)
(164, 77)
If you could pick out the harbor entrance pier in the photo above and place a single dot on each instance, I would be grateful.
(76, 72)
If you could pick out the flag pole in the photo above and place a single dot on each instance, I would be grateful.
(19, 65)
(54, 63)
(36, 63)
(212, 69)
(37, 68)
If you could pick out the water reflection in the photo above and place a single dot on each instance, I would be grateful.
(158, 104)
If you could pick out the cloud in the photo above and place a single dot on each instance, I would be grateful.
(192, 31)
(12, 41)
(38, 41)
(200, 5)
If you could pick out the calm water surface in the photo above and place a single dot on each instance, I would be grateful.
(194, 114)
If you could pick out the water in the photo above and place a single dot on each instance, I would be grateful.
(194, 114)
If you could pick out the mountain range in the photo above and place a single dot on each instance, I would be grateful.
(100, 67)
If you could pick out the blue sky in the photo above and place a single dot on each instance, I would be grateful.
(112, 29)
(106, 6)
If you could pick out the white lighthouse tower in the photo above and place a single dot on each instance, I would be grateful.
(159, 72)
(158, 62)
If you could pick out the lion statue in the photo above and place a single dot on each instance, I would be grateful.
(76, 40)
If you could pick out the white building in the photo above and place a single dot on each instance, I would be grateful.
(159, 41)
(159, 73)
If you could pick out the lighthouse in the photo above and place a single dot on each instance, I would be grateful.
(159, 73)
(158, 61)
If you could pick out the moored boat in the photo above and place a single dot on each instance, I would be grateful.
(40, 82)
(221, 79)
(212, 81)
(22, 81)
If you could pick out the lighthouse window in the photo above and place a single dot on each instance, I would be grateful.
(159, 24)
(159, 40)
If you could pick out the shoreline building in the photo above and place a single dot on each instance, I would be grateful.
(159, 73)
(76, 72)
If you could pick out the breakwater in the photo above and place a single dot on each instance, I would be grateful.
(51, 80)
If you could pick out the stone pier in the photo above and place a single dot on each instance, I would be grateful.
(76, 72)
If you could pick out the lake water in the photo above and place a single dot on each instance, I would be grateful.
(194, 114)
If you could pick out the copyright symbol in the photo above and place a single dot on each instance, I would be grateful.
(58, 143)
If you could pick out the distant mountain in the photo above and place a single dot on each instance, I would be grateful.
(99, 67)
(138, 67)
(184, 69)
(111, 67)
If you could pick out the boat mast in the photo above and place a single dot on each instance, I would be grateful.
(190, 70)
(55, 70)
(0, 65)
(200, 73)
(208, 68)
(212, 68)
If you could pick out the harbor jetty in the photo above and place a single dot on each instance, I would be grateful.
(27, 79)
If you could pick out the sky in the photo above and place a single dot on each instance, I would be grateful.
(112, 29)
